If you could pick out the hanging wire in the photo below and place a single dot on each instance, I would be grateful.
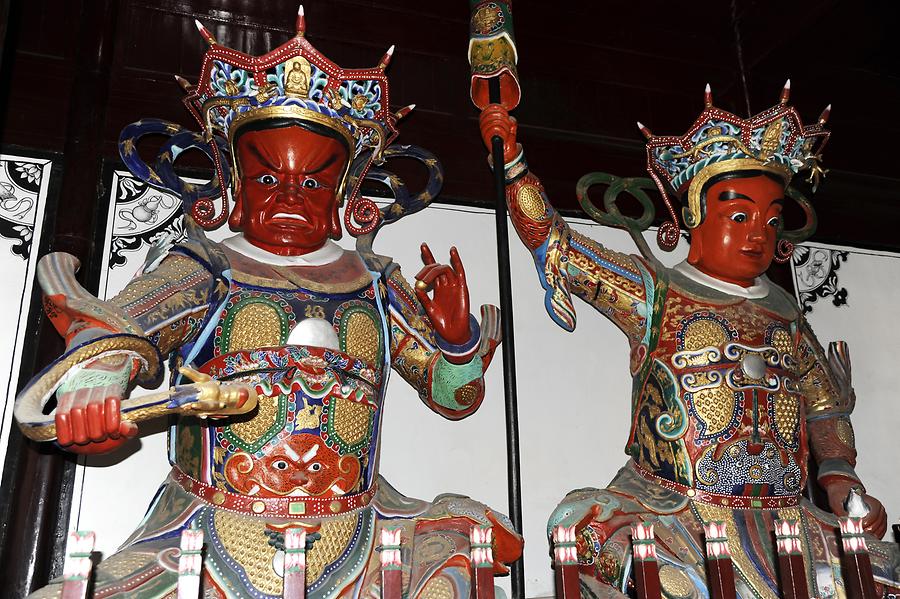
(740, 54)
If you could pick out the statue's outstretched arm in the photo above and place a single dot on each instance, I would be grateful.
(114, 343)
(568, 262)
(448, 376)
(826, 385)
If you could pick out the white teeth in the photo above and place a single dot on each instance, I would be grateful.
(292, 216)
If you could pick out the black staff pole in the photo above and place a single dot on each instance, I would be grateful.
(492, 55)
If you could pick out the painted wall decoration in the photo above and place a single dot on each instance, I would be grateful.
(24, 183)
(816, 274)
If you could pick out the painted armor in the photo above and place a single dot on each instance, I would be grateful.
(316, 342)
(731, 390)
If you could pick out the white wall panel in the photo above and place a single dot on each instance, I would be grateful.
(23, 197)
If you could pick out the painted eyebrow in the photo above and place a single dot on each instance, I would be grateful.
(324, 165)
(263, 157)
(730, 194)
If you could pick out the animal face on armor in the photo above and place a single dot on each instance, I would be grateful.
(289, 179)
(736, 240)
(300, 465)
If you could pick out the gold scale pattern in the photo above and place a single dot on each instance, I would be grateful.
(250, 431)
(362, 338)
(255, 325)
(437, 588)
(714, 406)
(531, 203)
(245, 540)
(787, 414)
(675, 583)
(351, 420)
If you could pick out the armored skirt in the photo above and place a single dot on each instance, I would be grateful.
(604, 545)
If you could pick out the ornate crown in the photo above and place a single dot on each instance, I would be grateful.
(774, 140)
(293, 81)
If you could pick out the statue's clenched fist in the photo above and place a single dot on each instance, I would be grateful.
(88, 413)
(494, 120)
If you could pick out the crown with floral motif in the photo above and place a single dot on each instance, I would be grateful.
(774, 141)
(295, 81)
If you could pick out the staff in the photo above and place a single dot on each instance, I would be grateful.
(492, 56)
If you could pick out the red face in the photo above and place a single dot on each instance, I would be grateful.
(289, 180)
(736, 241)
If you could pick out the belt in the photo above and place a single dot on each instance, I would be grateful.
(277, 507)
(737, 502)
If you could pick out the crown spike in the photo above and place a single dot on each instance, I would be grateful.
(205, 33)
(644, 130)
(404, 111)
(786, 92)
(386, 59)
(301, 22)
(707, 96)
(823, 118)
(184, 83)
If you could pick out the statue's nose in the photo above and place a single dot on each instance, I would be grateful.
(290, 191)
(299, 477)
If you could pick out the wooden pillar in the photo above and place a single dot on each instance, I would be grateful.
(719, 568)
(565, 558)
(646, 570)
(40, 480)
(857, 567)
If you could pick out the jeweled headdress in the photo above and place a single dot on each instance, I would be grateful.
(774, 141)
(294, 81)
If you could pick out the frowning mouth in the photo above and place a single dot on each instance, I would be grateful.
(288, 216)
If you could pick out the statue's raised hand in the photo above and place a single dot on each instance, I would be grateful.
(494, 120)
(838, 489)
(88, 413)
(448, 310)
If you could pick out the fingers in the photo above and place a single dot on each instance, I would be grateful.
(94, 422)
(427, 256)
(112, 415)
(88, 416)
(430, 273)
(63, 429)
(457, 265)
(422, 294)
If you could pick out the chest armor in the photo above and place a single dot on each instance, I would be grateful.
(717, 402)
(316, 358)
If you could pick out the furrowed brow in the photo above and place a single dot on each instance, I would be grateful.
(328, 162)
(262, 156)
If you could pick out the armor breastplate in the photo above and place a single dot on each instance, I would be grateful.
(317, 359)
(717, 405)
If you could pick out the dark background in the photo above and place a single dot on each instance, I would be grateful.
(588, 70)
(74, 72)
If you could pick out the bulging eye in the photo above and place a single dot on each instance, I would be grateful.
(311, 184)
(315, 466)
(739, 217)
(267, 179)
(280, 465)
(775, 221)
